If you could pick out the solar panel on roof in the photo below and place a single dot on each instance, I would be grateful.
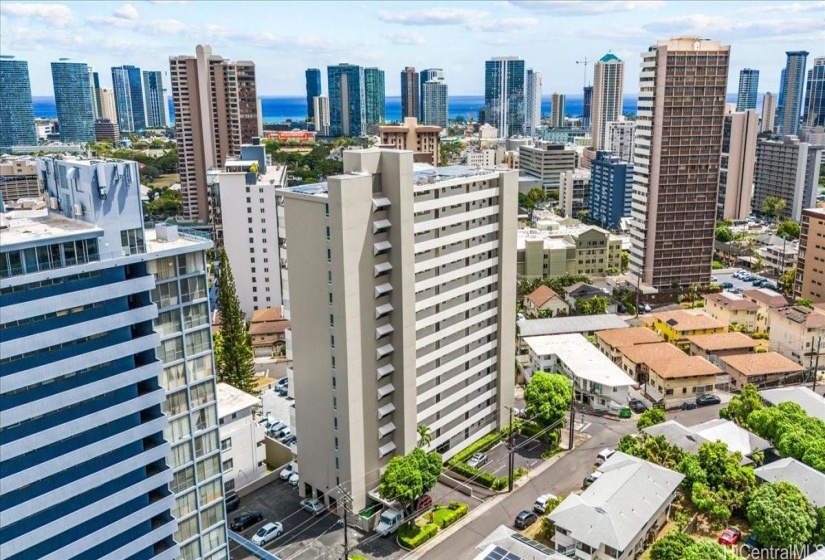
(534, 544)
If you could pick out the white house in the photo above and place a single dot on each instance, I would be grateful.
(242, 438)
(597, 380)
(619, 514)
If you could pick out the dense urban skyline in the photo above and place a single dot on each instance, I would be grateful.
(392, 36)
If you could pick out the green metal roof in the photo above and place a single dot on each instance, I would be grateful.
(610, 57)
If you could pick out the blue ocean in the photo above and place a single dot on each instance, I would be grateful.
(277, 109)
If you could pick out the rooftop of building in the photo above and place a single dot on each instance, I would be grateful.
(767, 297)
(232, 400)
(187, 238)
(505, 543)
(610, 57)
(810, 481)
(268, 321)
(765, 363)
(812, 403)
(541, 295)
(690, 438)
(810, 318)
(723, 341)
(618, 506)
(618, 338)
(668, 361)
(733, 302)
(584, 360)
(682, 320)
(27, 226)
(562, 237)
(818, 212)
(565, 325)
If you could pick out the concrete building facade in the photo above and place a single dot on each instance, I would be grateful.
(434, 109)
(216, 110)
(242, 437)
(574, 193)
(789, 109)
(620, 138)
(19, 178)
(608, 92)
(810, 262)
(572, 250)
(547, 162)
(532, 113)
(409, 92)
(611, 187)
(748, 89)
(107, 131)
(423, 140)
(738, 161)
(671, 240)
(767, 121)
(407, 314)
(815, 94)
(788, 170)
(321, 110)
(423, 77)
(557, 110)
(128, 88)
(154, 94)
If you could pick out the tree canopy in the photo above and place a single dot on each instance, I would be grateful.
(792, 432)
(781, 516)
(671, 547)
(788, 229)
(409, 477)
(773, 206)
(236, 366)
(740, 406)
(723, 234)
(595, 305)
(655, 449)
(650, 417)
(548, 397)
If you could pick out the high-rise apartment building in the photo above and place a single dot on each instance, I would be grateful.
(676, 164)
(16, 111)
(435, 107)
(574, 193)
(347, 105)
(587, 107)
(374, 96)
(767, 122)
(556, 110)
(216, 110)
(313, 85)
(18, 178)
(788, 170)
(321, 114)
(809, 268)
(789, 110)
(422, 333)
(620, 138)
(410, 93)
(748, 89)
(94, 83)
(532, 107)
(815, 94)
(611, 187)
(421, 139)
(110, 434)
(504, 95)
(423, 77)
(128, 86)
(107, 131)
(244, 199)
(73, 101)
(546, 161)
(154, 94)
(608, 92)
(738, 160)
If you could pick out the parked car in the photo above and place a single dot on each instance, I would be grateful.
(637, 405)
(232, 500)
(313, 506)
(293, 479)
(477, 461)
(267, 533)
(604, 455)
(290, 440)
(730, 536)
(288, 471)
(245, 520)
(525, 518)
(705, 400)
(278, 434)
(424, 502)
(389, 522)
(646, 307)
(688, 405)
(282, 382)
(591, 478)
(714, 279)
(751, 543)
(284, 434)
(727, 285)
(275, 428)
(541, 503)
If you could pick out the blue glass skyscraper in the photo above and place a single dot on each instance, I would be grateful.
(347, 107)
(16, 109)
(425, 76)
(313, 77)
(790, 93)
(611, 186)
(73, 100)
(128, 87)
(375, 96)
(815, 94)
(155, 97)
(504, 79)
(748, 88)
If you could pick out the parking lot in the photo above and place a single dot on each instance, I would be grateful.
(726, 275)
(278, 407)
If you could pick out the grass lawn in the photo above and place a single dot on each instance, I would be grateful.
(164, 181)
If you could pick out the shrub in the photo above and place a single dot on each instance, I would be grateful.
(455, 511)
(412, 537)
(487, 442)
(483, 478)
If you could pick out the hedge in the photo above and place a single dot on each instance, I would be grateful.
(412, 537)
(487, 442)
(451, 514)
(483, 478)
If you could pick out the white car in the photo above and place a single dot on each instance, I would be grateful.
(288, 471)
(267, 533)
(313, 506)
(541, 503)
(293, 479)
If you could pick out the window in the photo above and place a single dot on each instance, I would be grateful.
(131, 241)
(195, 315)
(228, 464)
(226, 444)
(202, 394)
(210, 492)
(167, 323)
(209, 467)
(205, 418)
(177, 429)
(184, 505)
(175, 403)
(199, 368)
(163, 269)
(207, 443)
(183, 479)
(173, 377)
(197, 342)
(229, 485)
(180, 455)
(170, 350)
(192, 288)
(165, 295)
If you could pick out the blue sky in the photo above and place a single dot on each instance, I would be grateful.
(284, 38)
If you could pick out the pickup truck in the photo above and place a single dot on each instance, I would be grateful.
(389, 522)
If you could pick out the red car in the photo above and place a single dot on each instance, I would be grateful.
(730, 537)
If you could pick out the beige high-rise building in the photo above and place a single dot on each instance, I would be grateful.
(18, 178)
(321, 105)
(405, 288)
(421, 139)
(788, 170)
(556, 110)
(738, 161)
(107, 105)
(216, 110)
(608, 89)
(574, 193)
(620, 138)
(547, 161)
(810, 270)
(681, 116)
(768, 119)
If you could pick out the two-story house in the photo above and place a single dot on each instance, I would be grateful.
(677, 326)
(796, 333)
(732, 309)
(610, 342)
(766, 300)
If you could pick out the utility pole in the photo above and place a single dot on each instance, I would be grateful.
(345, 500)
(572, 413)
(511, 451)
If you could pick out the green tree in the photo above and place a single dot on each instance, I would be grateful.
(237, 361)
(596, 305)
(409, 477)
(788, 229)
(804, 302)
(217, 350)
(650, 417)
(655, 449)
(671, 547)
(781, 516)
(786, 282)
(425, 435)
(819, 532)
(548, 397)
(548, 527)
(706, 550)
(625, 261)
(740, 406)
(773, 206)
(722, 234)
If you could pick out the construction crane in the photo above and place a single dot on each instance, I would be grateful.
(585, 62)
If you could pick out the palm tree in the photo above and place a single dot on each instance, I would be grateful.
(425, 436)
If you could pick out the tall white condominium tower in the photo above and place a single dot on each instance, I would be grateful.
(768, 120)
(434, 107)
(154, 94)
(321, 105)
(110, 444)
(532, 117)
(681, 117)
(608, 89)
(557, 110)
(406, 298)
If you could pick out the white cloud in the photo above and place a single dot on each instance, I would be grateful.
(729, 29)
(57, 15)
(127, 11)
(406, 38)
(154, 28)
(585, 7)
(472, 20)
(788, 7)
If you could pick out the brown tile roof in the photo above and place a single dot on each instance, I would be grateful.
(668, 361)
(768, 297)
(681, 320)
(732, 302)
(268, 314)
(268, 321)
(723, 341)
(541, 295)
(811, 318)
(762, 364)
(618, 338)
